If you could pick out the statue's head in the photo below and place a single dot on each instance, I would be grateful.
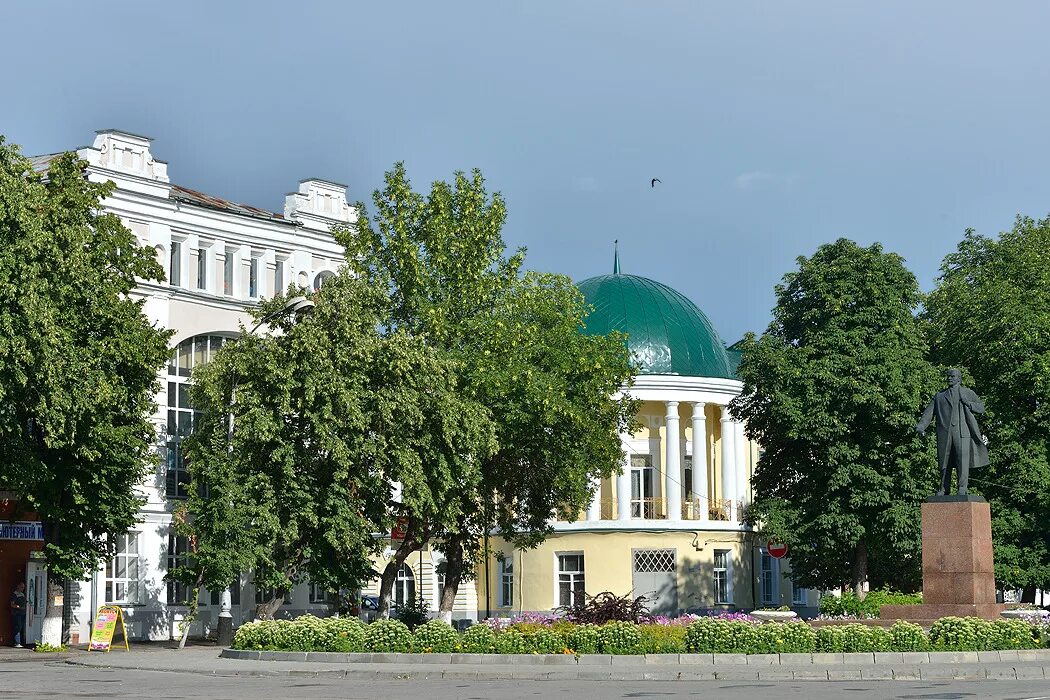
(954, 377)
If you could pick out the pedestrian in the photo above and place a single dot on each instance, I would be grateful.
(18, 612)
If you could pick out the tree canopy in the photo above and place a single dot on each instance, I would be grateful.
(990, 314)
(832, 391)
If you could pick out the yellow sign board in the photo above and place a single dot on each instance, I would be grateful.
(105, 626)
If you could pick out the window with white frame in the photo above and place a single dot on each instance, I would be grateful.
(227, 271)
(319, 594)
(278, 276)
(767, 577)
(404, 585)
(253, 277)
(506, 582)
(215, 597)
(570, 579)
(189, 354)
(721, 576)
(178, 557)
(202, 268)
(122, 575)
(175, 268)
(643, 487)
(439, 573)
(799, 596)
(322, 277)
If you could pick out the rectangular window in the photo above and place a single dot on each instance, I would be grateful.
(178, 556)
(235, 594)
(319, 595)
(506, 583)
(766, 574)
(202, 268)
(799, 596)
(227, 271)
(570, 579)
(687, 475)
(122, 582)
(278, 277)
(253, 277)
(404, 586)
(721, 571)
(175, 269)
(643, 487)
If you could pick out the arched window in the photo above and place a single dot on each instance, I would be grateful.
(189, 354)
(322, 277)
(404, 585)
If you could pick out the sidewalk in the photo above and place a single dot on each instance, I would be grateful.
(206, 660)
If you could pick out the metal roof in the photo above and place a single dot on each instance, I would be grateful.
(666, 332)
(184, 194)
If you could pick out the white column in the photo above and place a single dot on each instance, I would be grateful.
(623, 487)
(594, 510)
(728, 461)
(699, 480)
(741, 462)
(673, 463)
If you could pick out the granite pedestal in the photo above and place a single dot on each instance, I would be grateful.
(958, 574)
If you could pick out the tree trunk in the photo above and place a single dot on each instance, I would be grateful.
(1028, 594)
(52, 630)
(266, 611)
(386, 582)
(191, 614)
(453, 577)
(860, 569)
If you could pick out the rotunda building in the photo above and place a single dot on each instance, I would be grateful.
(670, 525)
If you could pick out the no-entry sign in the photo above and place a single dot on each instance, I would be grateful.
(776, 550)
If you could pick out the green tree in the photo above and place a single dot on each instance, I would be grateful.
(990, 314)
(78, 364)
(831, 391)
(328, 415)
(515, 343)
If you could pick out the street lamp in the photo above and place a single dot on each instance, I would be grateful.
(298, 306)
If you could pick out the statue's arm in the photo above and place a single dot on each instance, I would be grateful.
(924, 421)
(972, 401)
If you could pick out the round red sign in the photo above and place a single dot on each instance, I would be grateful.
(776, 550)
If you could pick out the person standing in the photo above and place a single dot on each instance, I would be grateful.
(18, 612)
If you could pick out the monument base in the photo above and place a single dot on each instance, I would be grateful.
(958, 574)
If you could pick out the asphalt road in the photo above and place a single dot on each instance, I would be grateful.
(28, 681)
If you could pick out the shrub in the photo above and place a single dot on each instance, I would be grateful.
(479, 639)
(907, 636)
(436, 636)
(1012, 634)
(263, 634)
(619, 638)
(583, 639)
(389, 636)
(852, 638)
(662, 639)
(511, 642)
(849, 605)
(957, 634)
(609, 607)
(414, 612)
(543, 641)
(709, 636)
(785, 638)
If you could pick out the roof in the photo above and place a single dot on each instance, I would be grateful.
(666, 332)
(184, 194)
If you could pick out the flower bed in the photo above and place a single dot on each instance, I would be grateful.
(703, 635)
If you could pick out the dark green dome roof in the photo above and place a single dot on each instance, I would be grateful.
(666, 332)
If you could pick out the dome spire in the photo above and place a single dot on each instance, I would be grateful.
(616, 257)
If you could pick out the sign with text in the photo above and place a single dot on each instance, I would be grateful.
(21, 531)
(106, 626)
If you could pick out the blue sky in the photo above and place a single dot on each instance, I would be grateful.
(774, 127)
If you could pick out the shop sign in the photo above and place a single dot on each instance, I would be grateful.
(21, 531)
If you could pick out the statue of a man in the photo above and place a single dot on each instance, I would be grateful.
(960, 444)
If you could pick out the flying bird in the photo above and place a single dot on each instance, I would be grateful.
(652, 183)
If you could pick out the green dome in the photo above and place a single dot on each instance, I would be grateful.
(666, 333)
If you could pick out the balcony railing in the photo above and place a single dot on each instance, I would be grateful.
(656, 509)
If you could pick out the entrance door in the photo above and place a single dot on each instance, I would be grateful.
(36, 600)
(655, 576)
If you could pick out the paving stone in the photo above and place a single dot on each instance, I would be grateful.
(736, 674)
(286, 656)
(937, 671)
(1034, 655)
(597, 674)
(437, 658)
(763, 659)
(856, 658)
(844, 674)
(326, 657)
(459, 674)
(627, 660)
(827, 658)
(559, 659)
(916, 657)
(880, 673)
(661, 659)
(796, 659)
(730, 659)
(889, 657)
(694, 659)
(595, 660)
(1025, 673)
(660, 675)
(775, 673)
(359, 658)
(953, 657)
(810, 674)
(489, 659)
(1005, 655)
(694, 674)
(988, 657)
(1000, 672)
(907, 673)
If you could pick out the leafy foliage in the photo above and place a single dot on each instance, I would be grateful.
(849, 604)
(831, 391)
(306, 633)
(989, 314)
(389, 636)
(436, 637)
(619, 638)
(78, 359)
(608, 607)
(414, 612)
(479, 639)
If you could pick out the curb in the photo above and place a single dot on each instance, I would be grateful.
(664, 660)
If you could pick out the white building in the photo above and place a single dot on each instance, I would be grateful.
(220, 258)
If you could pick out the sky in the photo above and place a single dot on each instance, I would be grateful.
(773, 127)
